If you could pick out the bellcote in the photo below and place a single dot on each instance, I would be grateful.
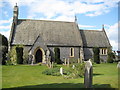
(15, 13)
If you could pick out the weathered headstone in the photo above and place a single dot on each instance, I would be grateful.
(68, 62)
(61, 71)
(73, 66)
(65, 61)
(88, 74)
(32, 59)
(47, 57)
(78, 60)
(118, 65)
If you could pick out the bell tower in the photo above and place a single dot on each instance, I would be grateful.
(15, 14)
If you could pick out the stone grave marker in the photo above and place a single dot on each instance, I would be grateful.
(118, 65)
(78, 60)
(73, 66)
(61, 71)
(68, 62)
(65, 61)
(88, 74)
(32, 60)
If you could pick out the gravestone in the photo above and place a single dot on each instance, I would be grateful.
(32, 59)
(61, 71)
(118, 65)
(68, 62)
(88, 74)
(47, 56)
(73, 66)
(65, 61)
(78, 60)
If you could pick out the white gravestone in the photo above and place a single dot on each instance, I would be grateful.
(88, 74)
(32, 59)
(68, 62)
(61, 71)
(73, 66)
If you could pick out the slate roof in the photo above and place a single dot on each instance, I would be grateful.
(52, 32)
(94, 38)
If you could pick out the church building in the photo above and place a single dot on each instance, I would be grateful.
(41, 36)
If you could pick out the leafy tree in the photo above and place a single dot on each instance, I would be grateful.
(16, 55)
(57, 55)
(4, 48)
(96, 55)
(19, 54)
(111, 56)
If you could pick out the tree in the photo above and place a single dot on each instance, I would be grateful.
(19, 54)
(4, 48)
(16, 55)
(57, 56)
(111, 56)
(96, 55)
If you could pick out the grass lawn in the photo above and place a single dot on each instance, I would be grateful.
(27, 76)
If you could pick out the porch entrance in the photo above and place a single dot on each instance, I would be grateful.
(38, 56)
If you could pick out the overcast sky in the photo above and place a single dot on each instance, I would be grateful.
(91, 14)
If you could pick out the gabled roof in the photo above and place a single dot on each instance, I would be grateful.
(94, 38)
(52, 32)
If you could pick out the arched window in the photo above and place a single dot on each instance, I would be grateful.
(71, 52)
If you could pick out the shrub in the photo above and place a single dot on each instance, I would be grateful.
(96, 55)
(77, 72)
(19, 54)
(4, 54)
(3, 48)
(15, 55)
(52, 71)
(12, 56)
(111, 56)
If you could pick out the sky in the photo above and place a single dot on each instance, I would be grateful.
(90, 14)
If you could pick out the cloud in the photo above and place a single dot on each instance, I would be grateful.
(5, 33)
(112, 33)
(6, 21)
(55, 7)
(5, 27)
(86, 26)
(65, 8)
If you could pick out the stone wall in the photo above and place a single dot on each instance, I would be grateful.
(88, 53)
(65, 53)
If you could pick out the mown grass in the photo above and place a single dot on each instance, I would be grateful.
(27, 76)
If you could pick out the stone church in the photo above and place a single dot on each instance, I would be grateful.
(41, 36)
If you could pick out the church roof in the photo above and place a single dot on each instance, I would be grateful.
(94, 38)
(51, 32)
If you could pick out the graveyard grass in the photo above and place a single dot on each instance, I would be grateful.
(27, 76)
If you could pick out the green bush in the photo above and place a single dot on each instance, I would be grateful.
(4, 54)
(68, 72)
(12, 56)
(3, 48)
(19, 54)
(52, 71)
(15, 55)
(96, 55)
(111, 56)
